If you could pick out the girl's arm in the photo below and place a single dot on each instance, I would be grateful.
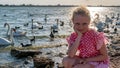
(103, 55)
(73, 48)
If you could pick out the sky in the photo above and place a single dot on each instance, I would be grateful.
(62, 2)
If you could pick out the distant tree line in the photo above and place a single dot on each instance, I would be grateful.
(30, 5)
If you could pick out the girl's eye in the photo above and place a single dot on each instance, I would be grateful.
(77, 24)
(80, 24)
(84, 24)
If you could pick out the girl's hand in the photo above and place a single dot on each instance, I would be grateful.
(83, 61)
(80, 61)
(78, 32)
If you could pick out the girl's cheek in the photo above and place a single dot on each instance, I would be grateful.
(76, 27)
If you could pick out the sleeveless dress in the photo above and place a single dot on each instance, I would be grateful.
(90, 43)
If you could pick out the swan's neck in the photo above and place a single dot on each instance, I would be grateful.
(11, 35)
(8, 30)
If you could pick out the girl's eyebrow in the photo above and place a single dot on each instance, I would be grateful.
(81, 23)
(76, 23)
(84, 23)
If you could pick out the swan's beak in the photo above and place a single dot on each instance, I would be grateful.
(14, 30)
(5, 25)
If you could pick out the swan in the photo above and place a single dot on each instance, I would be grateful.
(5, 42)
(18, 33)
(6, 24)
(118, 15)
(36, 25)
(52, 34)
(32, 39)
(99, 25)
(15, 33)
(61, 23)
(55, 27)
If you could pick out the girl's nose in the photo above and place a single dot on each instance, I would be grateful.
(80, 26)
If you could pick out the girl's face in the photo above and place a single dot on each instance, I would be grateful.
(81, 23)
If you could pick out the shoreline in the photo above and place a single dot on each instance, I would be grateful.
(114, 59)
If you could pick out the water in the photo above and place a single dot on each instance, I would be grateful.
(18, 16)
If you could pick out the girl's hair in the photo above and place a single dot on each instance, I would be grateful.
(82, 10)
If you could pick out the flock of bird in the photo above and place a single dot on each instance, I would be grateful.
(13, 32)
(110, 22)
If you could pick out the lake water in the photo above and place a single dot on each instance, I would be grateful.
(19, 16)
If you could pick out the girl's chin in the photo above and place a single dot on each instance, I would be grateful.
(83, 31)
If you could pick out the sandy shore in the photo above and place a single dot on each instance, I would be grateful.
(114, 50)
(57, 58)
(115, 62)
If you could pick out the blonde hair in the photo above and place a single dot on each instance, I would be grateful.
(82, 10)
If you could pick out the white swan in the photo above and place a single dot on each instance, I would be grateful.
(15, 33)
(18, 33)
(55, 27)
(36, 25)
(98, 25)
(5, 42)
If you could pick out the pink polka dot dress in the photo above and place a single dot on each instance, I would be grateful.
(90, 43)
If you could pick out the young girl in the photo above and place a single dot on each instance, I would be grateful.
(87, 47)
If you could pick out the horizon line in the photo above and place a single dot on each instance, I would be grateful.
(60, 5)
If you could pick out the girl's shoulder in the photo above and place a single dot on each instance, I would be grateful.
(95, 33)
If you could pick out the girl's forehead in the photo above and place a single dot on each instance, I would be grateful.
(81, 18)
